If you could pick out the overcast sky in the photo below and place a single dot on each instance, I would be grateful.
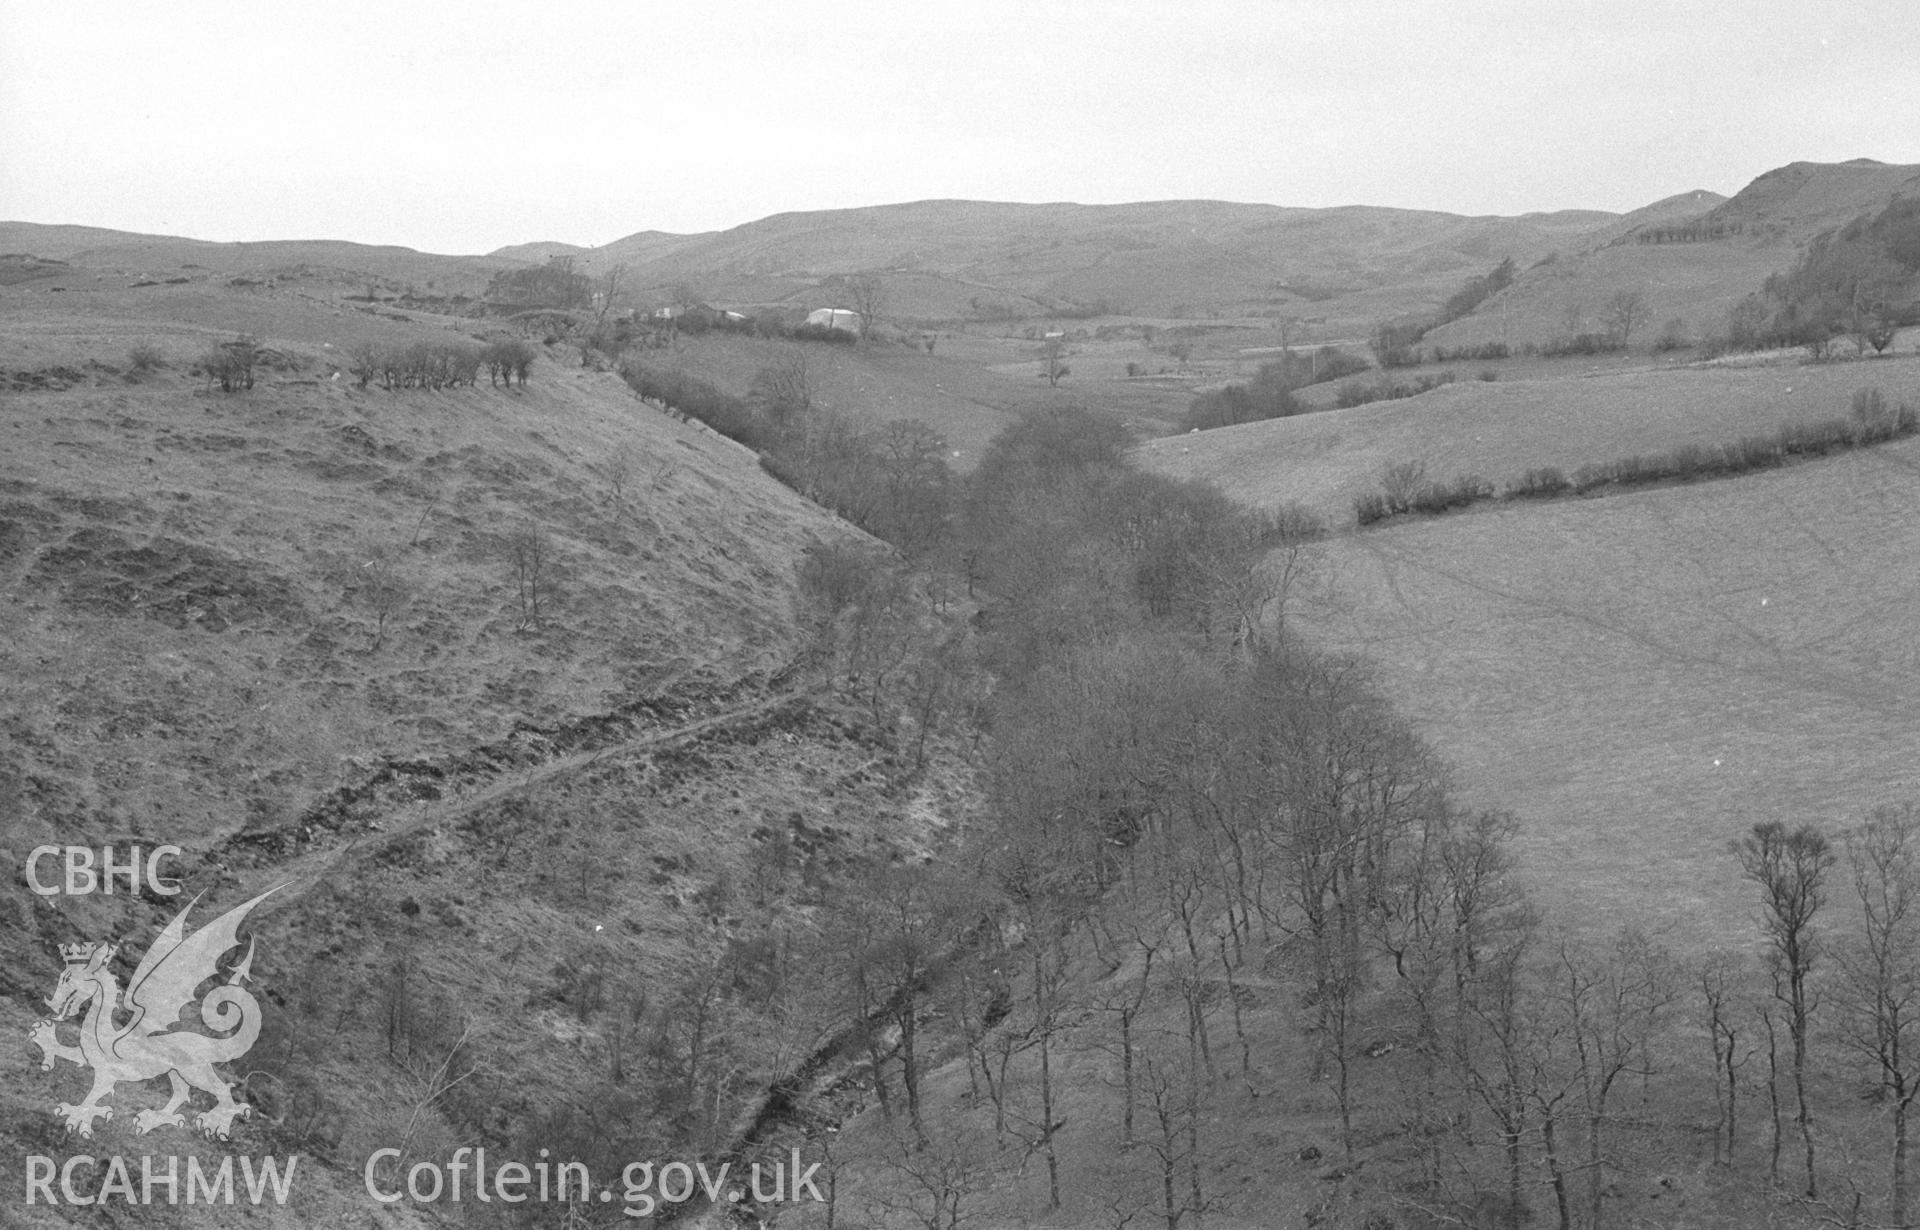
(464, 127)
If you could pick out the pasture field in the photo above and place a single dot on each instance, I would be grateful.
(1642, 678)
(1501, 429)
(968, 389)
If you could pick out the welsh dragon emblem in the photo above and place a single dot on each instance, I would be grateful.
(146, 1043)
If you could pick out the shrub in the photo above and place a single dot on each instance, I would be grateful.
(834, 577)
(1269, 395)
(1370, 507)
(1753, 453)
(1328, 363)
(1241, 403)
(695, 398)
(1477, 291)
(1673, 336)
(431, 365)
(1583, 344)
(231, 364)
(782, 392)
(1872, 422)
(1394, 345)
(1815, 439)
(1400, 482)
(364, 362)
(1359, 393)
(1472, 354)
(1538, 484)
(506, 360)
(1489, 374)
(1435, 498)
(1693, 460)
(146, 357)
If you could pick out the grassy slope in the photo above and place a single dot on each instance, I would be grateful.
(1643, 677)
(1188, 257)
(187, 655)
(1585, 662)
(1501, 429)
(1695, 283)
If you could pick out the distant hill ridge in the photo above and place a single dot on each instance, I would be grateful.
(961, 259)
(1693, 256)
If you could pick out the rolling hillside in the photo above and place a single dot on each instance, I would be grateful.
(1639, 677)
(1173, 258)
(1338, 270)
(501, 684)
(1758, 231)
(122, 254)
(1642, 678)
(516, 693)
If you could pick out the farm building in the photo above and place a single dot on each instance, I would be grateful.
(835, 318)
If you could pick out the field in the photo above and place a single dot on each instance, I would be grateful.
(971, 386)
(1639, 677)
(1642, 678)
(1500, 429)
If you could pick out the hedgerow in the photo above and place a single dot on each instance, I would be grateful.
(1404, 489)
(1359, 393)
(1582, 344)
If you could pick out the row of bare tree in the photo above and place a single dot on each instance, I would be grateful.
(1208, 843)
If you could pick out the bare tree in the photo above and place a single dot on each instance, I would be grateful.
(1726, 1021)
(1400, 482)
(1790, 867)
(384, 588)
(868, 295)
(363, 362)
(1625, 312)
(1139, 931)
(782, 391)
(893, 936)
(621, 468)
(915, 483)
(529, 552)
(610, 289)
(1879, 986)
(1610, 1005)
(1869, 317)
(942, 1181)
(1176, 1103)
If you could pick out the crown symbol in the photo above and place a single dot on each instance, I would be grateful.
(76, 954)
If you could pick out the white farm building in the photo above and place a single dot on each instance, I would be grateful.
(835, 318)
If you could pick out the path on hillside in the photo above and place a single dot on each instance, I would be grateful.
(395, 820)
